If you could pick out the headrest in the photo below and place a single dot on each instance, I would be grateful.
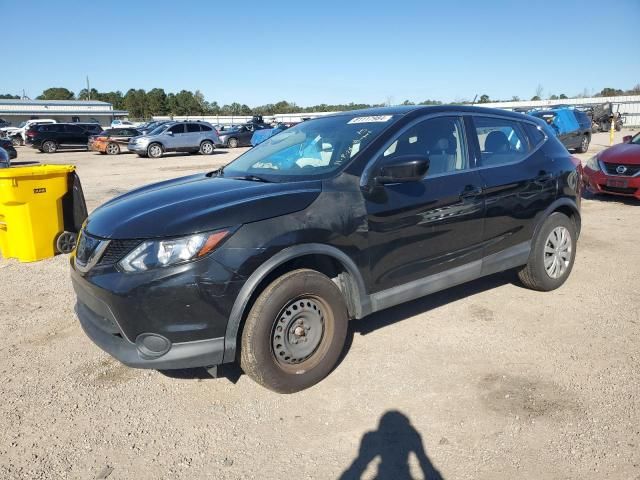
(496, 142)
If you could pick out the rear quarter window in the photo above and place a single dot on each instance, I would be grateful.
(536, 136)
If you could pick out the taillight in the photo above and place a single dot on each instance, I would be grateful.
(31, 133)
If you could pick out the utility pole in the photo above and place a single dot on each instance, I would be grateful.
(88, 89)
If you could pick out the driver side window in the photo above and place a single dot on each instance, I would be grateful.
(440, 139)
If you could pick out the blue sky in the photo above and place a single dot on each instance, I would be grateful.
(330, 51)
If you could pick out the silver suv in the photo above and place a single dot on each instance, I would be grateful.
(176, 137)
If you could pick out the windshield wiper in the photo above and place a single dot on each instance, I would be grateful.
(216, 173)
(252, 178)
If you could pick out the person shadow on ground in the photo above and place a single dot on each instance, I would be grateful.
(393, 441)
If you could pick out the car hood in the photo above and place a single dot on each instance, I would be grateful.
(197, 203)
(627, 153)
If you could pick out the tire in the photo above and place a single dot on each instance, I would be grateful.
(155, 150)
(113, 149)
(66, 242)
(232, 143)
(584, 144)
(207, 148)
(535, 274)
(299, 307)
(50, 146)
(16, 141)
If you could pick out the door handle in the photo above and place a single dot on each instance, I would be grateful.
(470, 191)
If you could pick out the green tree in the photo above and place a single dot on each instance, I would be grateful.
(553, 97)
(563, 96)
(8, 96)
(57, 93)
(610, 92)
(484, 98)
(535, 97)
(84, 94)
(407, 102)
(515, 98)
(135, 104)
(156, 101)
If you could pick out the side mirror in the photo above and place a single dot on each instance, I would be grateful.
(403, 169)
(627, 139)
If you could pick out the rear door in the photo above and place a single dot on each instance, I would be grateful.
(193, 135)
(74, 136)
(516, 180)
(419, 229)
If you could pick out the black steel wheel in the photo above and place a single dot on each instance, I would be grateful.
(295, 332)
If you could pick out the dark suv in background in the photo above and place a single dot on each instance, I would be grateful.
(265, 260)
(51, 137)
(572, 126)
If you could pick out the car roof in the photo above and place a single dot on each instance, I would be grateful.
(426, 109)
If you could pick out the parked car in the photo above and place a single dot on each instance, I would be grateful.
(123, 124)
(112, 140)
(9, 148)
(4, 123)
(149, 127)
(188, 136)
(266, 259)
(239, 136)
(19, 134)
(50, 138)
(572, 126)
(262, 134)
(616, 170)
(5, 160)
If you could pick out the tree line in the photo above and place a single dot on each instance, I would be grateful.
(143, 104)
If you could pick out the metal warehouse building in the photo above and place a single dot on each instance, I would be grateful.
(17, 111)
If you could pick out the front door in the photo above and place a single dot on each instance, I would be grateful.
(422, 228)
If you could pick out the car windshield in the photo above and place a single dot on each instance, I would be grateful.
(158, 130)
(312, 148)
(636, 140)
(22, 124)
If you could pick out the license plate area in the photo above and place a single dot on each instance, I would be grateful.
(617, 183)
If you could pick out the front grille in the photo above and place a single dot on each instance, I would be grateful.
(116, 250)
(612, 169)
(624, 191)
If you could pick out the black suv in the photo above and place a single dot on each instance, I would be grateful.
(575, 131)
(51, 137)
(265, 260)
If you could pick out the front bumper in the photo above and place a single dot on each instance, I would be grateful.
(600, 182)
(186, 307)
(139, 148)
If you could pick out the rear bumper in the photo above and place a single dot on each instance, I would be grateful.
(599, 182)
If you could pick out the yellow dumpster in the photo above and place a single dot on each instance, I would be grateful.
(31, 211)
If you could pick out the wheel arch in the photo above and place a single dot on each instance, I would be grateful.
(565, 206)
(323, 258)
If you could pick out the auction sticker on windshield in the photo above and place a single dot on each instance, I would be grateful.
(375, 118)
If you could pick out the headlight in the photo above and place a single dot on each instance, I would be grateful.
(593, 163)
(164, 253)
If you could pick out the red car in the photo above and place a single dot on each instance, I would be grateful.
(616, 170)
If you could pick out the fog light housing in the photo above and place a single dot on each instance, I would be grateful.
(152, 345)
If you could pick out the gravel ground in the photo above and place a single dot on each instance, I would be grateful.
(486, 380)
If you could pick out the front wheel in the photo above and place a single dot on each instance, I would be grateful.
(113, 149)
(295, 332)
(207, 148)
(154, 150)
(233, 143)
(552, 254)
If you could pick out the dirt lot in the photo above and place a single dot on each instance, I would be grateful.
(487, 380)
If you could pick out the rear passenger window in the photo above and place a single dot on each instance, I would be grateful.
(193, 127)
(536, 137)
(501, 141)
(440, 139)
(205, 128)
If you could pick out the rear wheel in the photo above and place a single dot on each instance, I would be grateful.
(295, 332)
(154, 150)
(113, 149)
(50, 146)
(207, 148)
(233, 143)
(584, 144)
(552, 254)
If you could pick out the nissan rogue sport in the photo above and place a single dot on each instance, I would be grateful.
(264, 261)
